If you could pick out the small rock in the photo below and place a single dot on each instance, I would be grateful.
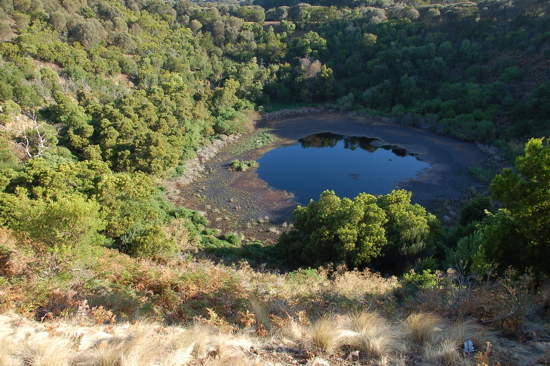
(353, 356)
(319, 362)
(468, 346)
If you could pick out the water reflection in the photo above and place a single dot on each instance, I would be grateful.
(348, 165)
(327, 139)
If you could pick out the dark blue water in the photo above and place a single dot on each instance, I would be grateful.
(347, 165)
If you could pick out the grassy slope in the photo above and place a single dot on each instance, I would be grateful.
(114, 311)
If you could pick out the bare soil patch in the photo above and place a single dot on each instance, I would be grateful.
(241, 202)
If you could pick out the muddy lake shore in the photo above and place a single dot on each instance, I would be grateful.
(241, 202)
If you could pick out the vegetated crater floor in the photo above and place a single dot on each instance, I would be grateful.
(241, 202)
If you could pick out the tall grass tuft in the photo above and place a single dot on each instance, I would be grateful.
(372, 334)
(261, 312)
(424, 327)
(41, 350)
(442, 353)
(461, 332)
(8, 348)
(325, 334)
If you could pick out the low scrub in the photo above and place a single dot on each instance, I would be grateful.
(210, 313)
(241, 166)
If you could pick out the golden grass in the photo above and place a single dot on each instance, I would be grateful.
(140, 344)
(355, 284)
(41, 350)
(442, 344)
(324, 333)
(462, 331)
(424, 327)
(372, 334)
(146, 343)
(211, 300)
(8, 348)
(445, 353)
(294, 331)
(261, 313)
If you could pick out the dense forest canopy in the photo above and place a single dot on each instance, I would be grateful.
(101, 98)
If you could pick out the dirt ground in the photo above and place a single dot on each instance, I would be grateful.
(241, 202)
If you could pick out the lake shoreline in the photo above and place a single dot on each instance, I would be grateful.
(241, 202)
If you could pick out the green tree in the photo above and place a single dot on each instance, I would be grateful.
(336, 230)
(412, 232)
(252, 13)
(7, 157)
(519, 234)
(74, 118)
(89, 33)
(67, 222)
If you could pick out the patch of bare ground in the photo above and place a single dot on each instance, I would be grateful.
(275, 24)
(234, 201)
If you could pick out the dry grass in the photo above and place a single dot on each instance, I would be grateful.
(140, 344)
(365, 334)
(444, 352)
(236, 314)
(442, 342)
(361, 283)
(324, 333)
(261, 313)
(424, 327)
(372, 334)
(8, 348)
(294, 330)
(463, 331)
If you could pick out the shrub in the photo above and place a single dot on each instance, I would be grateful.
(152, 243)
(263, 139)
(518, 234)
(336, 230)
(233, 238)
(511, 74)
(355, 231)
(241, 166)
(420, 281)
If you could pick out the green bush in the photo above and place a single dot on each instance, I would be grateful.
(241, 166)
(517, 235)
(355, 231)
(263, 139)
(475, 209)
(511, 74)
(335, 230)
(426, 280)
(233, 238)
(463, 256)
(152, 243)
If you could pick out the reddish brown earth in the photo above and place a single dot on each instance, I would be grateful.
(241, 202)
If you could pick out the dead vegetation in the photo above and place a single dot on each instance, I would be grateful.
(106, 308)
(361, 337)
(115, 310)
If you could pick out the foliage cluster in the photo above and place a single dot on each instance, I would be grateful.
(241, 166)
(354, 232)
(515, 235)
(390, 234)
